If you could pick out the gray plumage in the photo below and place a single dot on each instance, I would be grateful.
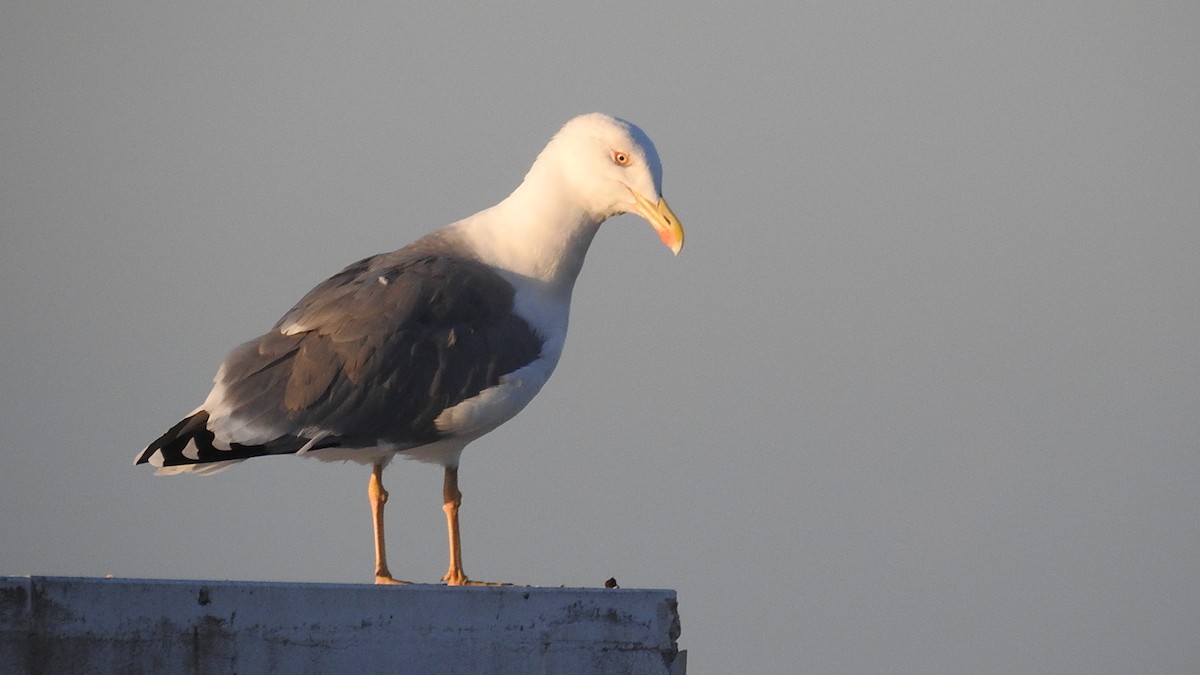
(370, 356)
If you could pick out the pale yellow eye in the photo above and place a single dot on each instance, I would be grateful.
(621, 158)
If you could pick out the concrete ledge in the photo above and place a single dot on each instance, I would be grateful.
(81, 625)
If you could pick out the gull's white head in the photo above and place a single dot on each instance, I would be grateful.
(610, 166)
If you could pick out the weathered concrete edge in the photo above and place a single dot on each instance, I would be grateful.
(231, 621)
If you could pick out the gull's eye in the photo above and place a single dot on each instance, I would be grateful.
(621, 158)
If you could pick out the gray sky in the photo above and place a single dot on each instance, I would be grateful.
(919, 395)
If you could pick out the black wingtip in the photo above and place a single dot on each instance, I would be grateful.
(192, 435)
(171, 443)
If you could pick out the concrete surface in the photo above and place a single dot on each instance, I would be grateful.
(84, 625)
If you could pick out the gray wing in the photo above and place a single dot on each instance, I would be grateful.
(379, 350)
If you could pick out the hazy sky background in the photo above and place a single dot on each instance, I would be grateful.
(919, 395)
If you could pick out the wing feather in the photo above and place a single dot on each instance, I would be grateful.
(379, 350)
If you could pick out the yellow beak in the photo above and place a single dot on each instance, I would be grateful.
(662, 219)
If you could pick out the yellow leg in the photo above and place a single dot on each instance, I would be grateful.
(451, 500)
(378, 497)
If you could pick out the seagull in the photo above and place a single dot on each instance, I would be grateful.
(418, 352)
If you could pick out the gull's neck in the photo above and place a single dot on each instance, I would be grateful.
(538, 232)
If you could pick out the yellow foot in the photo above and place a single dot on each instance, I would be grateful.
(387, 579)
(462, 580)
